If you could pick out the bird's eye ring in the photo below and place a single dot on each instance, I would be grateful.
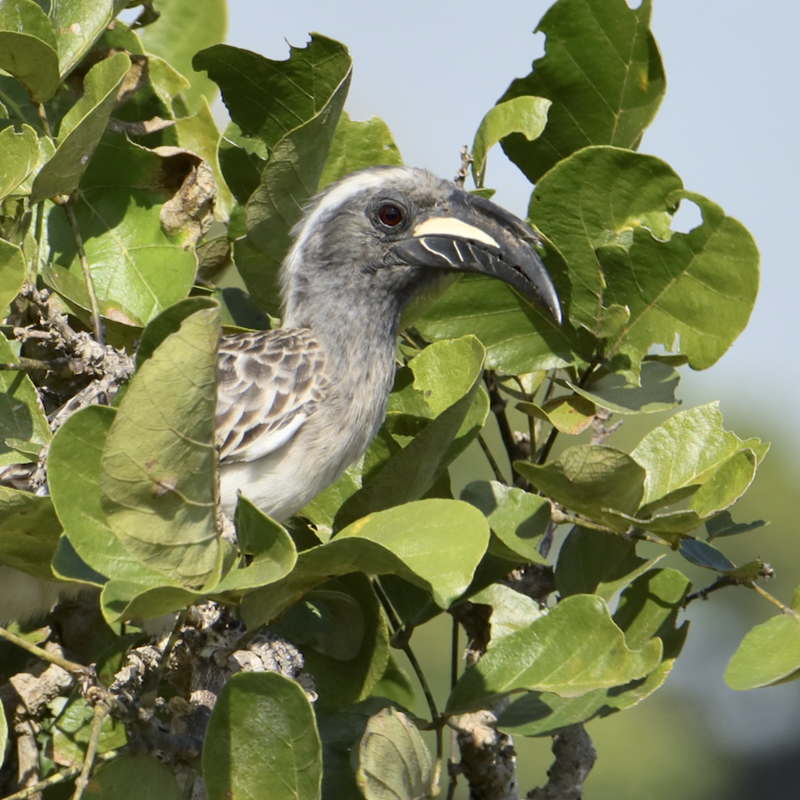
(390, 215)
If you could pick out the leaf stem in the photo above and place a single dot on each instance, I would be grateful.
(774, 600)
(78, 670)
(97, 323)
(42, 111)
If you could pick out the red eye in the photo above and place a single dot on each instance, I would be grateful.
(390, 215)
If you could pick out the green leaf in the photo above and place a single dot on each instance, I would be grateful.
(262, 741)
(570, 414)
(648, 607)
(519, 519)
(518, 336)
(574, 649)
(272, 550)
(297, 127)
(357, 145)
(608, 211)
(769, 654)
(21, 415)
(183, 28)
(81, 129)
(395, 685)
(123, 600)
(511, 611)
(603, 73)
(393, 759)
(19, 156)
(706, 556)
(593, 562)
(524, 115)
(28, 48)
(138, 270)
(133, 777)
(590, 479)
(688, 449)
(80, 23)
(159, 461)
(700, 286)
(73, 473)
(723, 525)
(655, 393)
(29, 531)
(12, 274)
(344, 642)
(340, 732)
(72, 730)
(435, 544)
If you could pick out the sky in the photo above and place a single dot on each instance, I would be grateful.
(728, 126)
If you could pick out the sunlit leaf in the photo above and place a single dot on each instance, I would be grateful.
(603, 73)
(524, 115)
(519, 519)
(574, 649)
(357, 145)
(590, 479)
(183, 28)
(769, 654)
(688, 449)
(435, 544)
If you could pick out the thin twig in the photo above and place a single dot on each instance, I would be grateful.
(97, 323)
(402, 641)
(100, 712)
(150, 692)
(79, 670)
(34, 365)
(498, 473)
(451, 762)
(498, 407)
(702, 594)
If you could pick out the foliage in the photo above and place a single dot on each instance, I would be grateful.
(111, 159)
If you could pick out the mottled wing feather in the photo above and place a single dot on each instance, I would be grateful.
(269, 383)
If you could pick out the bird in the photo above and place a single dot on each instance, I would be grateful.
(297, 405)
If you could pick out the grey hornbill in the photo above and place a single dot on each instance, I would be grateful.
(297, 406)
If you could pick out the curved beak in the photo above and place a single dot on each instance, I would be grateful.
(470, 234)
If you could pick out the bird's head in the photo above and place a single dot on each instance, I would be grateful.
(378, 237)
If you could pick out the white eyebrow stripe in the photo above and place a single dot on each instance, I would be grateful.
(449, 226)
(437, 253)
